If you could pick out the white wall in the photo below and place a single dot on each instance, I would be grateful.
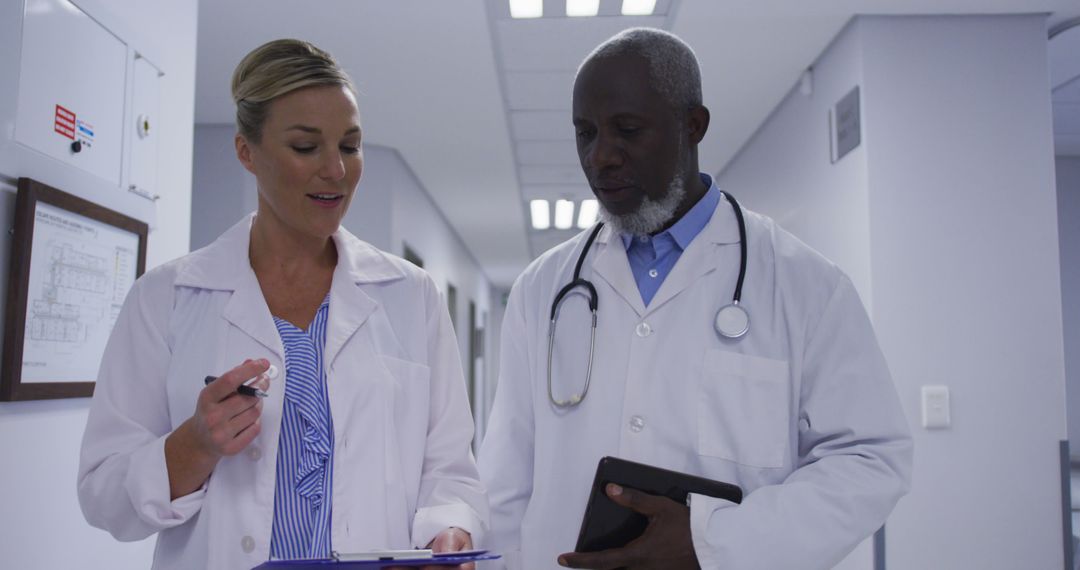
(418, 222)
(966, 281)
(42, 526)
(785, 172)
(221, 190)
(497, 302)
(1068, 200)
(957, 206)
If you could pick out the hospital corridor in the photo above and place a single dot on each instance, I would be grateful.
(530, 284)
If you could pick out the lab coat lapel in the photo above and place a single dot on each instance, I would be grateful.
(612, 266)
(703, 256)
(246, 309)
(350, 306)
(224, 265)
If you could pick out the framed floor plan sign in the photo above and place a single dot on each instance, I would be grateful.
(72, 264)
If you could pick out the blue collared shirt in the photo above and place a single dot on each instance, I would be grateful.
(651, 258)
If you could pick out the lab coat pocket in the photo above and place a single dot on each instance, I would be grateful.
(405, 445)
(743, 409)
(411, 399)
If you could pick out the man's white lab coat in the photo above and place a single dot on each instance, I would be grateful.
(402, 464)
(801, 412)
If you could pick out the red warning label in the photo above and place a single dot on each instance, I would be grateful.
(65, 122)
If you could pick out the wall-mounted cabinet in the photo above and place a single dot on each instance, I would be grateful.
(83, 114)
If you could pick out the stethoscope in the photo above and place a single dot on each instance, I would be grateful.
(732, 320)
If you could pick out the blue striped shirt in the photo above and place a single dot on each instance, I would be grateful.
(302, 499)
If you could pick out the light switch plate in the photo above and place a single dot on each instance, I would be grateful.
(935, 407)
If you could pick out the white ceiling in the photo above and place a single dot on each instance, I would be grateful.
(477, 104)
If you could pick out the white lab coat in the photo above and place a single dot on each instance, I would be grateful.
(403, 469)
(801, 412)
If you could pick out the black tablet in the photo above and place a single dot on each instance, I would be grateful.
(608, 525)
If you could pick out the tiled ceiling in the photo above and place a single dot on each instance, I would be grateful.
(536, 61)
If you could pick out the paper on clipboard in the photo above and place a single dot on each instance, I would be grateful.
(447, 559)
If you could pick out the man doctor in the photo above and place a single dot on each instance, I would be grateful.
(799, 411)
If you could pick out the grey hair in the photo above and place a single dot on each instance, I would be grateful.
(673, 67)
(274, 69)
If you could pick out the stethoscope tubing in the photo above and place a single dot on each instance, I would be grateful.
(737, 298)
(575, 399)
(577, 281)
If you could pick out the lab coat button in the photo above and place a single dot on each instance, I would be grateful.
(644, 330)
(248, 544)
(804, 425)
(637, 423)
(254, 453)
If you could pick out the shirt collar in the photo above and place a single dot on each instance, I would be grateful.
(693, 221)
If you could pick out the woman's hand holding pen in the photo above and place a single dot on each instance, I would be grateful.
(224, 423)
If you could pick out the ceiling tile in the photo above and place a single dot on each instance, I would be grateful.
(578, 191)
(563, 175)
(543, 91)
(542, 126)
(550, 44)
(547, 153)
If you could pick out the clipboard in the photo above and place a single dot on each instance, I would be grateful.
(448, 559)
(609, 525)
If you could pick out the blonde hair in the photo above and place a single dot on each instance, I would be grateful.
(274, 69)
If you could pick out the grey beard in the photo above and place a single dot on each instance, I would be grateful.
(651, 215)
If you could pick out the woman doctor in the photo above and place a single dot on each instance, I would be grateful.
(363, 440)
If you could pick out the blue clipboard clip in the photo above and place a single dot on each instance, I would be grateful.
(447, 559)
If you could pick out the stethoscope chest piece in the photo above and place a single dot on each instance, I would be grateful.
(732, 321)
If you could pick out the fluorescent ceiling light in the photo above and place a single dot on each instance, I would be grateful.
(638, 7)
(582, 8)
(564, 214)
(541, 214)
(587, 213)
(526, 8)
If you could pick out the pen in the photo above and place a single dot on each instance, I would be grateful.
(243, 388)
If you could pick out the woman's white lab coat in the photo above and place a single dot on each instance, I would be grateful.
(801, 413)
(403, 469)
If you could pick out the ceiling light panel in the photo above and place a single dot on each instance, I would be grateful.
(587, 213)
(564, 214)
(540, 212)
(548, 44)
(638, 7)
(526, 8)
(582, 8)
